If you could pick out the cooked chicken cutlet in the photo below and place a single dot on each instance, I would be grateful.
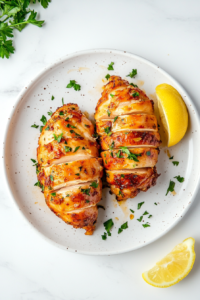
(129, 138)
(70, 170)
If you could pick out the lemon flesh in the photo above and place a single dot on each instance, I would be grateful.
(173, 267)
(173, 113)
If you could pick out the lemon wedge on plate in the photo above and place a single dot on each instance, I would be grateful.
(173, 267)
(173, 113)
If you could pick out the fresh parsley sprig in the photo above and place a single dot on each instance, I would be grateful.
(16, 14)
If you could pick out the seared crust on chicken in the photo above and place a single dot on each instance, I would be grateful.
(128, 132)
(69, 168)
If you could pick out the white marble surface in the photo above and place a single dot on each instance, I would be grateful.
(166, 33)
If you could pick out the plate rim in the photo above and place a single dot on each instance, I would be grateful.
(20, 98)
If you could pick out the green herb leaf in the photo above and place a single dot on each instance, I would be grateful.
(73, 84)
(171, 157)
(132, 73)
(76, 148)
(50, 113)
(112, 95)
(115, 119)
(94, 184)
(120, 230)
(35, 126)
(111, 147)
(53, 194)
(124, 226)
(179, 178)
(85, 191)
(155, 203)
(140, 205)
(132, 211)
(62, 101)
(47, 128)
(121, 194)
(145, 213)
(150, 216)
(122, 175)
(52, 97)
(136, 94)
(108, 225)
(58, 138)
(107, 76)
(135, 85)
(171, 187)
(104, 236)
(51, 177)
(110, 66)
(108, 112)
(132, 156)
(43, 120)
(175, 163)
(107, 131)
(77, 174)
(140, 219)
(61, 113)
(41, 127)
(33, 160)
(145, 225)
(67, 149)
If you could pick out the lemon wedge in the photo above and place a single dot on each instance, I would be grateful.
(173, 267)
(173, 113)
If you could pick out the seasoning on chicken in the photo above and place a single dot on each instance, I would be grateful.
(70, 170)
(129, 138)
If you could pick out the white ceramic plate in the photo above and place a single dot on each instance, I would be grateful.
(89, 69)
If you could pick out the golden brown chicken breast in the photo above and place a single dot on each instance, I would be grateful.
(70, 170)
(128, 132)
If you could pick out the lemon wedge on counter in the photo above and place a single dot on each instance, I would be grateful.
(173, 267)
(173, 113)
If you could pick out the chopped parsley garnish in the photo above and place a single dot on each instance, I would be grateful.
(58, 138)
(111, 147)
(119, 154)
(145, 213)
(62, 101)
(35, 126)
(107, 131)
(76, 148)
(88, 126)
(87, 201)
(85, 191)
(41, 127)
(104, 236)
(83, 148)
(110, 66)
(106, 162)
(50, 113)
(132, 156)
(67, 119)
(140, 219)
(43, 120)
(171, 157)
(111, 154)
(94, 184)
(67, 149)
(136, 94)
(73, 84)
(171, 187)
(150, 216)
(140, 205)
(122, 175)
(104, 155)
(148, 153)
(77, 174)
(47, 128)
(175, 163)
(179, 178)
(38, 184)
(34, 161)
(52, 97)
(108, 112)
(123, 226)
(120, 194)
(107, 76)
(155, 203)
(115, 118)
(135, 85)
(145, 225)
(132, 73)
(51, 177)
(53, 194)
(95, 135)
(132, 210)
(112, 95)
(108, 225)
(61, 113)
